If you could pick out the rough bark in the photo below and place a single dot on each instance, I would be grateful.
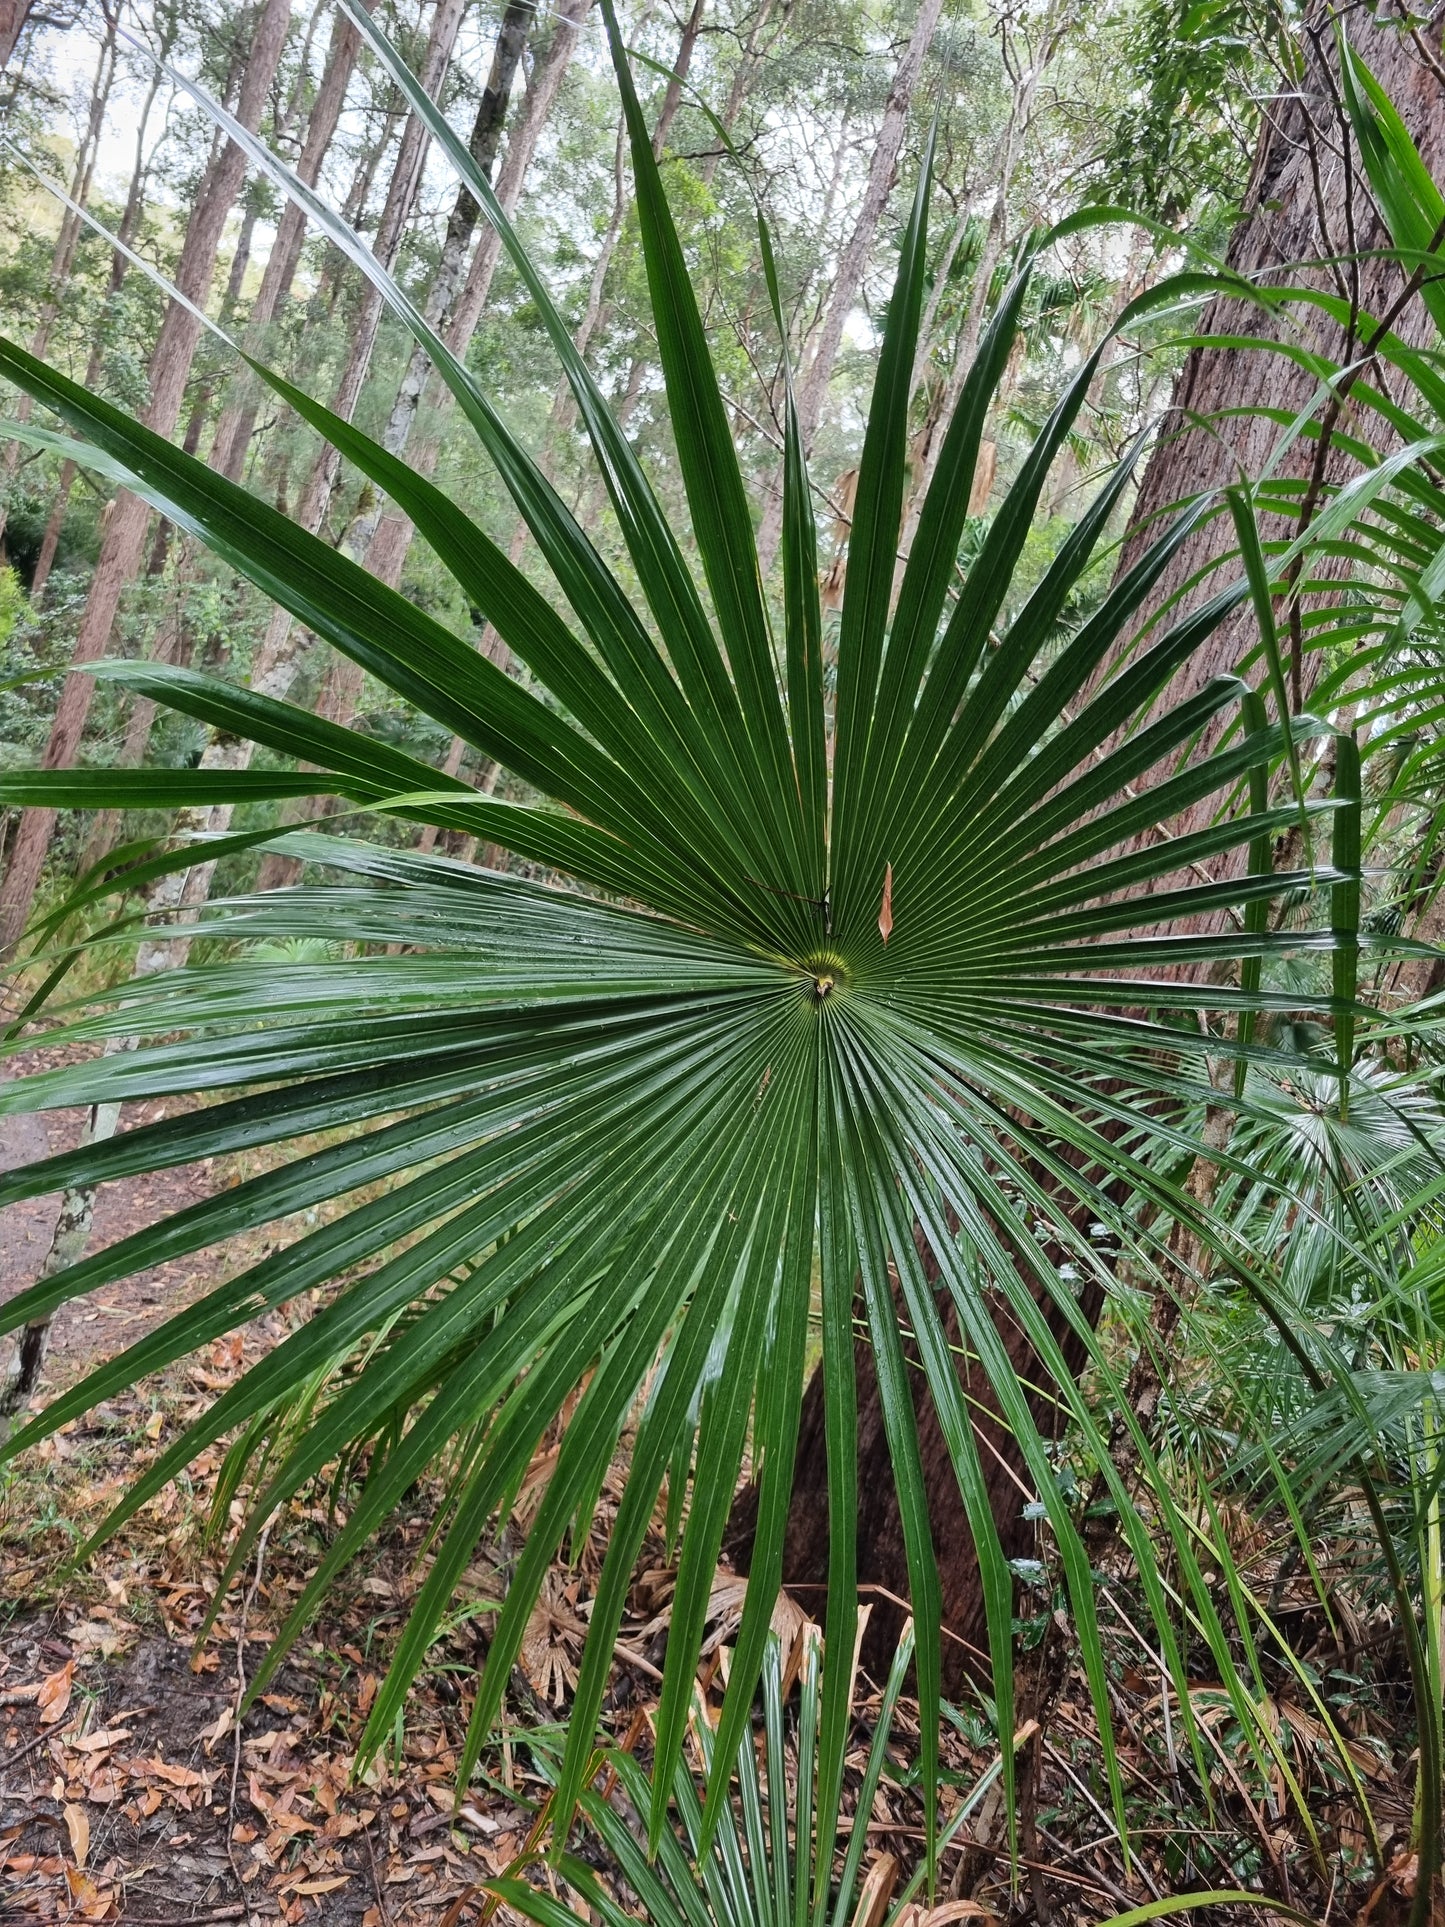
(125, 524)
(1307, 199)
(882, 1563)
(848, 278)
(13, 16)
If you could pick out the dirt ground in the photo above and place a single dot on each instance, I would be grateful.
(127, 1792)
(99, 1325)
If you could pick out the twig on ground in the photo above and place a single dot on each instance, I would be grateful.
(234, 1911)
(376, 1878)
(24, 1752)
(247, 1602)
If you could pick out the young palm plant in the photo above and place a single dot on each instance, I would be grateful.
(757, 1864)
(859, 979)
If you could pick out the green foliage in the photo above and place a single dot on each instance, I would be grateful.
(1179, 149)
(866, 974)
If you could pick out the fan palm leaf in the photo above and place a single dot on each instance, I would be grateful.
(844, 955)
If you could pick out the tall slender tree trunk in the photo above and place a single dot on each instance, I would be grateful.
(119, 263)
(124, 537)
(283, 643)
(63, 256)
(485, 142)
(387, 549)
(848, 279)
(238, 418)
(742, 79)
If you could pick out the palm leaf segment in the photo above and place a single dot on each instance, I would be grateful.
(846, 977)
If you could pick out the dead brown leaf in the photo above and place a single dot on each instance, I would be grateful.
(77, 1825)
(54, 1695)
(88, 1900)
(885, 913)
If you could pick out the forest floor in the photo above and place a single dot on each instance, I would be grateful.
(129, 1792)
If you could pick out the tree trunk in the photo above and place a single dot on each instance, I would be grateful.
(1301, 205)
(238, 419)
(13, 16)
(882, 173)
(126, 232)
(737, 92)
(882, 1563)
(486, 138)
(63, 255)
(125, 522)
(386, 554)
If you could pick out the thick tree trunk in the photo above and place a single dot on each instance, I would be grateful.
(1302, 204)
(125, 525)
(882, 1563)
(13, 16)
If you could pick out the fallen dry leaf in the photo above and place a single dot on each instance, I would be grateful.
(885, 913)
(326, 1886)
(77, 1825)
(88, 1900)
(172, 1775)
(218, 1729)
(54, 1695)
(98, 1742)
